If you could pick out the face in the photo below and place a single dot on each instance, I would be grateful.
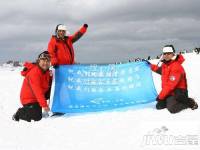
(168, 56)
(61, 33)
(44, 64)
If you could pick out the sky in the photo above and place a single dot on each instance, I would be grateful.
(119, 30)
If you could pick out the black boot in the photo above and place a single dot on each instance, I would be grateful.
(192, 104)
(15, 117)
(161, 104)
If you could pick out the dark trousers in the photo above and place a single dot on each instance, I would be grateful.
(175, 106)
(29, 112)
(179, 101)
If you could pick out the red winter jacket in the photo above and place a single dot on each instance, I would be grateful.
(62, 51)
(36, 83)
(173, 76)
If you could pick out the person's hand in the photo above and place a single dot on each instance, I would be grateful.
(147, 62)
(45, 114)
(158, 99)
(46, 109)
(56, 66)
(85, 25)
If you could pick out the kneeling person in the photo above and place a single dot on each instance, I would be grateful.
(174, 93)
(35, 89)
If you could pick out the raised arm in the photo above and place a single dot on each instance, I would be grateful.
(75, 37)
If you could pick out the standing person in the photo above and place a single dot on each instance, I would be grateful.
(35, 89)
(174, 93)
(60, 46)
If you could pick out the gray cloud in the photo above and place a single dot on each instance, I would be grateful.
(118, 30)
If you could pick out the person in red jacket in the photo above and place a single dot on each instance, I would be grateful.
(60, 46)
(35, 89)
(174, 93)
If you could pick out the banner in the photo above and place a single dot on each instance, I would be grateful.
(89, 88)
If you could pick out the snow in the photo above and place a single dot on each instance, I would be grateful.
(126, 129)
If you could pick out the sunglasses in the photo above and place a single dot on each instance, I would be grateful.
(168, 53)
(61, 31)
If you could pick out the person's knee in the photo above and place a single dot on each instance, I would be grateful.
(173, 110)
(37, 117)
(176, 108)
(36, 113)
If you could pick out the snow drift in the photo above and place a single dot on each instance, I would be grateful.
(130, 129)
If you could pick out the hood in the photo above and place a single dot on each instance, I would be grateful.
(27, 67)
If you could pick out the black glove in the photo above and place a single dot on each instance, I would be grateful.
(147, 62)
(157, 99)
(56, 66)
(85, 25)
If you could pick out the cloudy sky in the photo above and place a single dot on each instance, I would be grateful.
(119, 30)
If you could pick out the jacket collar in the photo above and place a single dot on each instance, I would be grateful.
(177, 58)
(58, 39)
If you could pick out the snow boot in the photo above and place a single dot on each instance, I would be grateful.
(192, 104)
(15, 117)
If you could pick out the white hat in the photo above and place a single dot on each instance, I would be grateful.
(168, 50)
(62, 27)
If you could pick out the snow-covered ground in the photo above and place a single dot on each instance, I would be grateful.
(135, 128)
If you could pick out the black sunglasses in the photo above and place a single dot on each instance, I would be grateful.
(168, 53)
